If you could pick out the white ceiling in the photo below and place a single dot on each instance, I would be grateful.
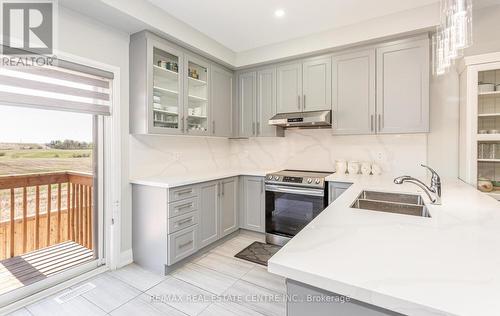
(241, 25)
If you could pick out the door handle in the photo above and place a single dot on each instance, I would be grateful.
(213, 127)
(253, 128)
(298, 101)
(379, 126)
(371, 122)
(258, 129)
(304, 101)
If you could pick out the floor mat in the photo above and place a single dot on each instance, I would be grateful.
(258, 252)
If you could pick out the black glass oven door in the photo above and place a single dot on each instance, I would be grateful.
(289, 209)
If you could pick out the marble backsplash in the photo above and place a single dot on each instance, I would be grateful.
(299, 149)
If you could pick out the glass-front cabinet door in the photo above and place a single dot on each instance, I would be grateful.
(166, 106)
(197, 97)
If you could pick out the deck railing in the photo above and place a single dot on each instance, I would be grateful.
(44, 209)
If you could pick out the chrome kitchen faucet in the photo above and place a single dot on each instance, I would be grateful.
(433, 192)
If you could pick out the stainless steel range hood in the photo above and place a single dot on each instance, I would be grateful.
(303, 119)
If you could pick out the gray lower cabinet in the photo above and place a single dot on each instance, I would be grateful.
(335, 189)
(209, 214)
(252, 215)
(182, 244)
(228, 206)
(172, 224)
(309, 300)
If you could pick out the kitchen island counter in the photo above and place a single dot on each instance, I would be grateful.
(447, 264)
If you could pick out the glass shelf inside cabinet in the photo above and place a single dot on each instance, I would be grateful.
(197, 111)
(165, 89)
(488, 105)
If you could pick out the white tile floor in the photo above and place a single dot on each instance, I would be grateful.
(129, 291)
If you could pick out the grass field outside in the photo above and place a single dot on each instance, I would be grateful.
(34, 158)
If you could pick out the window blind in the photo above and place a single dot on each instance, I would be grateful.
(67, 86)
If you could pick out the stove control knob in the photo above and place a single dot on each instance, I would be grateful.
(276, 178)
(309, 180)
(269, 177)
(317, 181)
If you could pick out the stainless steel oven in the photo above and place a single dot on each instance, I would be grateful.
(293, 199)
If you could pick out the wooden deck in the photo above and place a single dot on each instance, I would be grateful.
(45, 209)
(31, 267)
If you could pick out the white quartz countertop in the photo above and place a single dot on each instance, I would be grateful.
(448, 264)
(172, 181)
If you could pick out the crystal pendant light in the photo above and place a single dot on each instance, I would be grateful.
(453, 35)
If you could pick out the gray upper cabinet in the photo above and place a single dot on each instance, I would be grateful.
(317, 84)
(156, 86)
(196, 96)
(403, 87)
(353, 85)
(222, 102)
(228, 206)
(252, 215)
(171, 90)
(247, 96)
(266, 101)
(289, 88)
(208, 213)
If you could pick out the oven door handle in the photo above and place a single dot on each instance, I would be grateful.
(292, 190)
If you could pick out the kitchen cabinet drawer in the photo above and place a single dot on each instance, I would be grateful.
(182, 244)
(182, 207)
(182, 221)
(181, 193)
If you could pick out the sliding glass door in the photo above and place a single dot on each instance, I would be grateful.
(51, 175)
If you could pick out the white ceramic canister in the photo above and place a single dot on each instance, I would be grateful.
(340, 166)
(366, 168)
(376, 169)
(353, 167)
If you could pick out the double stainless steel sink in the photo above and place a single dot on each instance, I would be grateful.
(408, 204)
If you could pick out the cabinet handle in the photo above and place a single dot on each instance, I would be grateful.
(379, 125)
(222, 188)
(185, 244)
(185, 191)
(298, 101)
(184, 206)
(181, 124)
(262, 186)
(304, 101)
(371, 122)
(187, 220)
(213, 127)
(258, 129)
(253, 128)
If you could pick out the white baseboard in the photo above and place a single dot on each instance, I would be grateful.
(126, 258)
